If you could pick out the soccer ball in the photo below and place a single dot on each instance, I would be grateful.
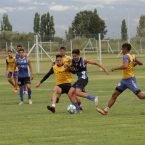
(71, 109)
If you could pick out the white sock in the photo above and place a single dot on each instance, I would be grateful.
(53, 105)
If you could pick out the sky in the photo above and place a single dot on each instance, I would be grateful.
(21, 13)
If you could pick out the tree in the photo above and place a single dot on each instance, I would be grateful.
(36, 26)
(5, 24)
(124, 35)
(88, 24)
(141, 27)
(47, 29)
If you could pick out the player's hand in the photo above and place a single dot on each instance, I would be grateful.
(37, 85)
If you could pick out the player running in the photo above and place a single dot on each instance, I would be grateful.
(24, 65)
(128, 81)
(79, 66)
(10, 72)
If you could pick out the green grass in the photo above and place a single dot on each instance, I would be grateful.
(34, 125)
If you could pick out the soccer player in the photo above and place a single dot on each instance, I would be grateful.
(17, 56)
(24, 66)
(63, 80)
(10, 72)
(79, 66)
(128, 80)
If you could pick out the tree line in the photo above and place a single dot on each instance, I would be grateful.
(85, 24)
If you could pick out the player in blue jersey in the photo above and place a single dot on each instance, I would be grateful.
(24, 66)
(17, 56)
(79, 66)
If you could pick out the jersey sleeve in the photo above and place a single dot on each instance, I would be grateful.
(126, 58)
(47, 75)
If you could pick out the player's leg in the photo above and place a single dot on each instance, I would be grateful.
(118, 90)
(15, 76)
(20, 84)
(73, 97)
(135, 89)
(56, 90)
(27, 82)
(9, 76)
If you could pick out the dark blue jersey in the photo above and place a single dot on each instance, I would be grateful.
(17, 55)
(80, 68)
(23, 67)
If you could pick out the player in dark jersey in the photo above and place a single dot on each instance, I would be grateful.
(79, 66)
(24, 66)
(17, 56)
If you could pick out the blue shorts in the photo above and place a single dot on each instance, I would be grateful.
(15, 75)
(129, 83)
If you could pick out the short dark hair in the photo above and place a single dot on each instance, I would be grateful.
(126, 45)
(76, 51)
(19, 45)
(62, 48)
(9, 50)
(21, 50)
(58, 55)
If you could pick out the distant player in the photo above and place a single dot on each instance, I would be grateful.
(24, 74)
(17, 56)
(63, 81)
(128, 80)
(10, 72)
(79, 66)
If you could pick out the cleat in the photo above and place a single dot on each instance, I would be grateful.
(21, 103)
(57, 100)
(52, 109)
(30, 101)
(96, 100)
(102, 111)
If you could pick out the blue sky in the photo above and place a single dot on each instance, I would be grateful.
(21, 13)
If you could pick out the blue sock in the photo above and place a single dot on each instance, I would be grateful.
(29, 93)
(25, 87)
(77, 106)
(91, 98)
(21, 95)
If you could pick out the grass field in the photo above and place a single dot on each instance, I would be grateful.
(34, 125)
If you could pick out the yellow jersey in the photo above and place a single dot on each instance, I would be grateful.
(10, 63)
(129, 72)
(66, 59)
(62, 75)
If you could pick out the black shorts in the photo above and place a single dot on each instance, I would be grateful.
(65, 88)
(80, 83)
(22, 81)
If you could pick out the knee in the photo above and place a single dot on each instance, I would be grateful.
(9, 79)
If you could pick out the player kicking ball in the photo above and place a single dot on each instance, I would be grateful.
(128, 81)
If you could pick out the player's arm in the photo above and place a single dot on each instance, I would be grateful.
(124, 65)
(137, 62)
(99, 65)
(45, 77)
(30, 67)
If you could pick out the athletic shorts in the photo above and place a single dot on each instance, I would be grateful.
(25, 80)
(15, 75)
(129, 83)
(65, 88)
(80, 84)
